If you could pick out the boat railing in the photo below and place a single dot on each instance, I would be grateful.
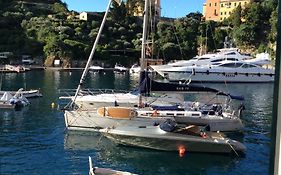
(84, 92)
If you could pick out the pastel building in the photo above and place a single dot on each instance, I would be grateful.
(139, 9)
(219, 10)
(211, 10)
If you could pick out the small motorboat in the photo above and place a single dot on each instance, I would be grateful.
(135, 69)
(95, 68)
(118, 68)
(17, 101)
(26, 93)
(169, 136)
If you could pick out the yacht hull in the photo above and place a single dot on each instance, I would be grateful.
(219, 77)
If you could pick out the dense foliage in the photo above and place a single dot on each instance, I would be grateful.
(254, 28)
(48, 30)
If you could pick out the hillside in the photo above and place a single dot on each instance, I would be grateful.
(47, 30)
(13, 36)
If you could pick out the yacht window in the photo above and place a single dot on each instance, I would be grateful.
(248, 66)
(232, 59)
(231, 53)
(231, 65)
(217, 60)
(203, 58)
(222, 59)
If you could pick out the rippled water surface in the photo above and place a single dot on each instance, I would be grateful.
(35, 141)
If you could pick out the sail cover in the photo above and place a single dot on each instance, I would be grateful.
(148, 85)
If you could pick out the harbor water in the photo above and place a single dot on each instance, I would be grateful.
(34, 140)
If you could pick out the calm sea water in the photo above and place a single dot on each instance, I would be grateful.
(35, 141)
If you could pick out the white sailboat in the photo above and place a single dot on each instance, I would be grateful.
(104, 113)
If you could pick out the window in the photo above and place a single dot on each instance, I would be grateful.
(204, 58)
(215, 4)
(235, 4)
(248, 66)
(231, 53)
(221, 5)
(210, 4)
(231, 65)
(218, 60)
(232, 59)
(225, 13)
(222, 59)
(221, 13)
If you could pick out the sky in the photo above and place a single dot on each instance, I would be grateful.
(170, 8)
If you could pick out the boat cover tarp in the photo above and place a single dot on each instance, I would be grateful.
(168, 125)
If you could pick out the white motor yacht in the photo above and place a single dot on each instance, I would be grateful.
(223, 71)
(226, 54)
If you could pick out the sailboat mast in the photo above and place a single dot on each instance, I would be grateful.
(144, 33)
(91, 54)
(143, 50)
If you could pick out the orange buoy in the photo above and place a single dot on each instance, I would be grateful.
(181, 151)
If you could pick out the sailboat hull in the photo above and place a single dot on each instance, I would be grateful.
(92, 121)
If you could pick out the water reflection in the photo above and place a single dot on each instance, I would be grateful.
(144, 161)
(12, 120)
(32, 141)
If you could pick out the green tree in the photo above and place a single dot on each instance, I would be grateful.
(118, 12)
(235, 17)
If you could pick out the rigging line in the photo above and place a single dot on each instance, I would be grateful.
(232, 148)
(206, 42)
(176, 36)
(92, 53)
(153, 29)
(1, 81)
